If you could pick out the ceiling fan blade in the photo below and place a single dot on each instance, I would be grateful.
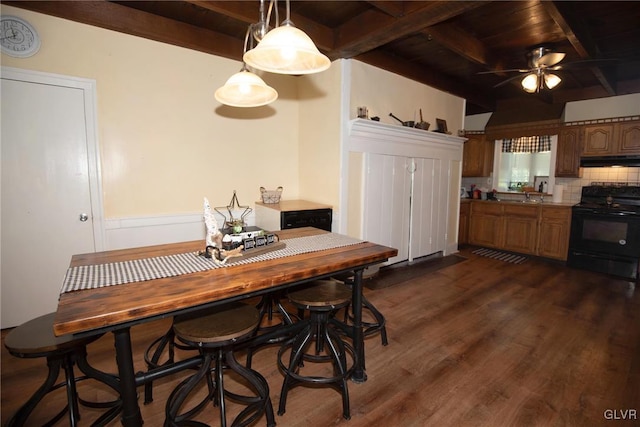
(549, 59)
(585, 63)
(513, 70)
(504, 82)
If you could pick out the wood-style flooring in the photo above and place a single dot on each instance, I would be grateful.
(478, 343)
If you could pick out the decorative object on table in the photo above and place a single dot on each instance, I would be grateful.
(270, 196)
(441, 126)
(422, 124)
(409, 124)
(234, 205)
(214, 236)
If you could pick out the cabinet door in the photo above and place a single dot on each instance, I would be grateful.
(555, 227)
(387, 187)
(598, 140)
(463, 224)
(485, 230)
(477, 156)
(520, 234)
(629, 138)
(429, 201)
(568, 155)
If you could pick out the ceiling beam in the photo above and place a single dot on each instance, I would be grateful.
(113, 16)
(373, 28)
(462, 43)
(582, 43)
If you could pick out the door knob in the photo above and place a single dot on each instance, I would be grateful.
(84, 217)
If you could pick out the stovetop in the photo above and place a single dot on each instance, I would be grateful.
(619, 198)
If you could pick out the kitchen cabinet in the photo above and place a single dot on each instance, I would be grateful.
(534, 229)
(555, 228)
(463, 223)
(568, 154)
(477, 156)
(606, 139)
(628, 138)
(486, 224)
(520, 228)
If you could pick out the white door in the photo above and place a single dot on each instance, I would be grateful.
(387, 187)
(49, 172)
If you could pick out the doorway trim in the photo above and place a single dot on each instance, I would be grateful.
(88, 88)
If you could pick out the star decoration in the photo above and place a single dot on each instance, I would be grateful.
(234, 205)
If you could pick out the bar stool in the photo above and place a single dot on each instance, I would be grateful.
(34, 339)
(321, 299)
(370, 327)
(216, 335)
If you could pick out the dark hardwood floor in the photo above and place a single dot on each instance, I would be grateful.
(477, 343)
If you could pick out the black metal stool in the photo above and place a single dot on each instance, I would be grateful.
(322, 299)
(35, 339)
(370, 328)
(216, 336)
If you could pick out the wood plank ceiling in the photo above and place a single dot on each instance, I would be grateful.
(443, 44)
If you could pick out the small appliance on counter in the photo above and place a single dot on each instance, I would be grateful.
(293, 214)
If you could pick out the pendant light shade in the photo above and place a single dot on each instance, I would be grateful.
(245, 89)
(287, 50)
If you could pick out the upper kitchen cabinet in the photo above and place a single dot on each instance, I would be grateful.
(568, 154)
(605, 139)
(477, 158)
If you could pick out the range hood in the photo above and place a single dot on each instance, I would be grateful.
(604, 161)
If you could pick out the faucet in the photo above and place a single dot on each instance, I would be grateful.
(527, 196)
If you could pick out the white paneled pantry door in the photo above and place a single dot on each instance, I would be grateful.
(51, 199)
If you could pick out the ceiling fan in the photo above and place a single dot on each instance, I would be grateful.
(542, 61)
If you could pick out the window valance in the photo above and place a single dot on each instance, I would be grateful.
(527, 144)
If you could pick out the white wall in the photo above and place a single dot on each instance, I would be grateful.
(602, 108)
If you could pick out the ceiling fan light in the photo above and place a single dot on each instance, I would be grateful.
(530, 83)
(245, 89)
(287, 50)
(551, 80)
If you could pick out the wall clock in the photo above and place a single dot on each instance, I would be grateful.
(17, 37)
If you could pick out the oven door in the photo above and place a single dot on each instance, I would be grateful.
(605, 233)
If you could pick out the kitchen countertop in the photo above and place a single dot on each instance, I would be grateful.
(519, 202)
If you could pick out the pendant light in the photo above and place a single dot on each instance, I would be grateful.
(246, 89)
(287, 50)
(534, 82)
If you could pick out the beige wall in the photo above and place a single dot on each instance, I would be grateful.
(165, 142)
(383, 92)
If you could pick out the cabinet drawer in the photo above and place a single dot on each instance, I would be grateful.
(520, 211)
(556, 212)
(487, 208)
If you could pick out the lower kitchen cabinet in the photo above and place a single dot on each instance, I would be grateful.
(486, 224)
(555, 228)
(541, 230)
(463, 224)
(520, 228)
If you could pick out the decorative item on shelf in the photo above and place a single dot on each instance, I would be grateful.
(422, 124)
(410, 123)
(441, 126)
(270, 196)
(363, 113)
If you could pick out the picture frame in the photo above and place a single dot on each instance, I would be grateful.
(544, 180)
(441, 126)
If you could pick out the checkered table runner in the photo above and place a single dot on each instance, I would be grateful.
(117, 273)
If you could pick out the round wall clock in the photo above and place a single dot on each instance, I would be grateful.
(17, 37)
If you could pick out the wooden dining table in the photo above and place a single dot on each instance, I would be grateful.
(119, 307)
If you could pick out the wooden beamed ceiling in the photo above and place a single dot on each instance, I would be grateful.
(444, 44)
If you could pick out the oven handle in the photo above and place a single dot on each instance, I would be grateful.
(602, 257)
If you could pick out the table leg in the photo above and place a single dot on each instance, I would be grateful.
(359, 375)
(131, 416)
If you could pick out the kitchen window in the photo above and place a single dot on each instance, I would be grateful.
(519, 161)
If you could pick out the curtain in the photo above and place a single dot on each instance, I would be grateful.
(527, 144)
